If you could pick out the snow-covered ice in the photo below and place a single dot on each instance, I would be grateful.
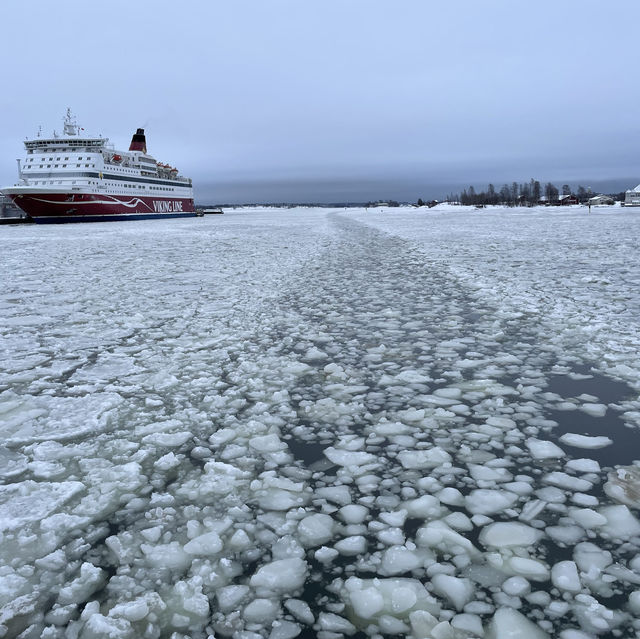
(317, 422)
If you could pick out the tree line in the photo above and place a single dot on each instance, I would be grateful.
(525, 194)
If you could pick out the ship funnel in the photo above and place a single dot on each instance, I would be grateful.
(138, 141)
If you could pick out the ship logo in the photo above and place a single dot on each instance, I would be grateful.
(166, 206)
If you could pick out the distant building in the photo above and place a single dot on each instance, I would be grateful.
(596, 200)
(632, 197)
(567, 200)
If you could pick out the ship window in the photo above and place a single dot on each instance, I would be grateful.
(77, 165)
(48, 166)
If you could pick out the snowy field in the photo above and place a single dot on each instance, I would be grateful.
(322, 423)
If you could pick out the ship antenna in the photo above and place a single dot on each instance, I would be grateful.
(70, 126)
(40, 131)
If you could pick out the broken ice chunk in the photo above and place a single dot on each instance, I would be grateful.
(399, 559)
(562, 480)
(421, 459)
(509, 533)
(315, 530)
(486, 502)
(206, 544)
(508, 623)
(621, 523)
(624, 485)
(353, 513)
(595, 410)
(541, 449)
(349, 457)
(585, 441)
(457, 590)
(564, 576)
(351, 546)
(282, 575)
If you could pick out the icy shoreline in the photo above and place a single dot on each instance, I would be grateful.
(315, 423)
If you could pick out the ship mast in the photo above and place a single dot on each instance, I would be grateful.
(70, 125)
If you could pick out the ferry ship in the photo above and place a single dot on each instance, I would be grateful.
(77, 178)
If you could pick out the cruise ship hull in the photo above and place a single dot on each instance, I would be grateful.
(50, 207)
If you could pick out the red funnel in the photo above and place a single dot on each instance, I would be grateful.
(138, 141)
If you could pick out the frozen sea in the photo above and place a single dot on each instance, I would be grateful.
(322, 423)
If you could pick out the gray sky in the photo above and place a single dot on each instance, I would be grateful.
(308, 100)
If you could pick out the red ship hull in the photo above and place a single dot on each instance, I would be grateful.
(47, 208)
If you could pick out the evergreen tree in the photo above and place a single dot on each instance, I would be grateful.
(492, 198)
(535, 195)
(551, 192)
(514, 193)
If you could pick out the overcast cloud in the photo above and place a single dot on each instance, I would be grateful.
(292, 100)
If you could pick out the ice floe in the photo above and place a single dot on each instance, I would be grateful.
(384, 433)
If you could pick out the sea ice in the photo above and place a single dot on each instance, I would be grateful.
(424, 459)
(511, 533)
(351, 546)
(348, 457)
(262, 611)
(516, 586)
(564, 576)
(315, 530)
(508, 623)
(583, 465)
(187, 449)
(487, 502)
(562, 480)
(585, 441)
(282, 575)
(621, 523)
(400, 597)
(458, 591)
(206, 544)
(398, 560)
(353, 513)
(587, 517)
(541, 449)
(624, 485)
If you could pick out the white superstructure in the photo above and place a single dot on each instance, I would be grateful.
(84, 170)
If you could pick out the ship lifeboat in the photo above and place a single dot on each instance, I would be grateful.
(117, 158)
